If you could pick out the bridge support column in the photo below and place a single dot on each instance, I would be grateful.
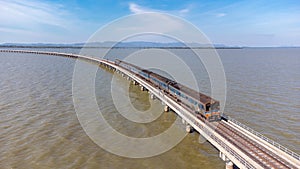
(223, 156)
(183, 121)
(152, 96)
(189, 128)
(166, 108)
(229, 165)
(142, 88)
(135, 82)
(128, 78)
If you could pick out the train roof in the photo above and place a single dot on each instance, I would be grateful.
(195, 94)
(204, 99)
(186, 90)
(121, 61)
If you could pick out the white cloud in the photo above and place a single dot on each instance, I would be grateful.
(219, 15)
(35, 20)
(137, 9)
(185, 10)
(29, 14)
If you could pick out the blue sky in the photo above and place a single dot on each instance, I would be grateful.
(229, 22)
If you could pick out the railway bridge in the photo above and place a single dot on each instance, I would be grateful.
(237, 143)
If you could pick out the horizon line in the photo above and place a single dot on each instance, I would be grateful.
(82, 44)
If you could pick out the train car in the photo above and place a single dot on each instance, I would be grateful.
(199, 103)
(131, 67)
(160, 81)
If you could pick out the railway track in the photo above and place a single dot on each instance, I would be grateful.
(258, 153)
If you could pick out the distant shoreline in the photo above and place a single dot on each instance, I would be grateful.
(132, 47)
(3, 46)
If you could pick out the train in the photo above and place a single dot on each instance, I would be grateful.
(200, 104)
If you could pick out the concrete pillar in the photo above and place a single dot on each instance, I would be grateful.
(223, 156)
(189, 128)
(128, 78)
(135, 82)
(183, 121)
(142, 88)
(229, 165)
(152, 96)
(166, 108)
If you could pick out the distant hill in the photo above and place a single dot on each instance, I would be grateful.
(136, 44)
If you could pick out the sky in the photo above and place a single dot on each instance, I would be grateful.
(228, 22)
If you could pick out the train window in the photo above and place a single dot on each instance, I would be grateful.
(200, 106)
(207, 107)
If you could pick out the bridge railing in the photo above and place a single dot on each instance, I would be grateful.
(272, 142)
(221, 143)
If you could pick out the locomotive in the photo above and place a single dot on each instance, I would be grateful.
(201, 104)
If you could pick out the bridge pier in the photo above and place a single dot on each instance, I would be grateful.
(223, 156)
(135, 82)
(189, 128)
(152, 96)
(229, 165)
(166, 108)
(142, 88)
(183, 121)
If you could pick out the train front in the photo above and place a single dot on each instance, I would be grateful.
(213, 112)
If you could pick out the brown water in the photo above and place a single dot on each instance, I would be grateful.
(40, 129)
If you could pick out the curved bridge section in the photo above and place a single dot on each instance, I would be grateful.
(238, 144)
